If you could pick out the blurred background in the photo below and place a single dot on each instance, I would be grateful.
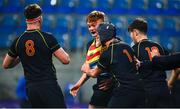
(66, 20)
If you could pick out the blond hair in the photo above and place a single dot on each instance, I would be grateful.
(95, 15)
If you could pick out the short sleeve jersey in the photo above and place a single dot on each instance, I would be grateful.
(142, 51)
(35, 49)
(118, 60)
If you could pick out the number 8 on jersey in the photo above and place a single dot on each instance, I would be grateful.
(30, 51)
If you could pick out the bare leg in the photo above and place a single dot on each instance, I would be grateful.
(91, 106)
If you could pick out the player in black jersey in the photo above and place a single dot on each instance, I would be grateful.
(118, 59)
(34, 49)
(169, 62)
(164, 62)
(154, 81)
(102, 90)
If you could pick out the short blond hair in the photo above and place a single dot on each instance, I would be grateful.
(95, 15)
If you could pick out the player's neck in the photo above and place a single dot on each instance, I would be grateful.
(141, 38)
(33, 26)
(97, 42)
(108, 42)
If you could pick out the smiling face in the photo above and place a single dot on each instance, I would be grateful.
(92, 27)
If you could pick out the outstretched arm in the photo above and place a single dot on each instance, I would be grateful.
(91, 72)
(10, 62)
(173, 77)
(79, 83)
(62, 56)
(167, 62)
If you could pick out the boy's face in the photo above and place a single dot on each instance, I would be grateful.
(92, 27)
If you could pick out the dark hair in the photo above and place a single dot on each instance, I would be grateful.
(139, 24)
(32, 11)
(95, 15)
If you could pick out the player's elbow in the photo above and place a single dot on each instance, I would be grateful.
(93, 75)
(67, 60)
(4, 66)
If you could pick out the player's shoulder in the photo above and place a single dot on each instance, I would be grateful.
(118, 46)
(121, 44)
(124, 43)
(151, 42)
(155, 43)
(47, 34)
(18, 37)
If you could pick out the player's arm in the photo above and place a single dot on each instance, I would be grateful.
(79, 83)
(82, 80)
(173, 77)
(11, 59)
(57, 50)
(62, 56)
(10, 62)
(90, 72)
(106, 84)
(102, 64)
(170, 61)
(166, 62)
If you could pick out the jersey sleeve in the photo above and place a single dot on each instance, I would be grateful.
(166, 62)
(104, 60)
(164, 50)
(13, 50)
(53, 43)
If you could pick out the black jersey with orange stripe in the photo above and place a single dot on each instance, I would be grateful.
(35, 49)
(118, 60)
(142, 51)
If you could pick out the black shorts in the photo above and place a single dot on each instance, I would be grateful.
(175, 94)
(100, 98)
(158, 97)
(127, 98)
(45, 94)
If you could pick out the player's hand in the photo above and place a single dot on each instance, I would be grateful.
(170, 85)
(85, 68)
(137, 62)
(154, 52)
(105, 84)
(177, 70)
(74, 90)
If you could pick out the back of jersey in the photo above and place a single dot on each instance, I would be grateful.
(122, 64)
(142, 52)
(35, 49)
